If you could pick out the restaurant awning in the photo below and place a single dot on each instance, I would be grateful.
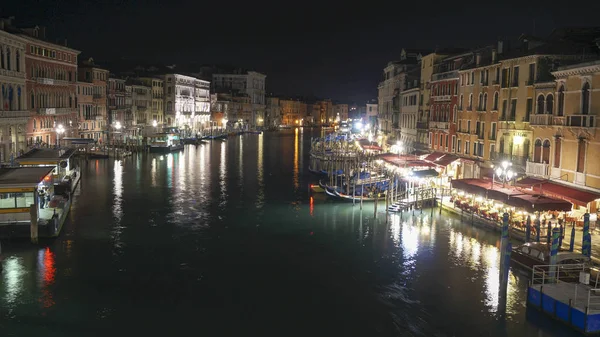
(445, 160)
(511, 196)
(546, 187)
(433, 156)
(537, 203)
(425, 173)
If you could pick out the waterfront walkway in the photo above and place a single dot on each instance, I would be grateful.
(565, 243)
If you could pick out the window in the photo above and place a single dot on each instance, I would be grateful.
(581, 155)
(529, 108)
(531, 74)
(557, 146)
(505, 75)
(454, 114)
(485, 98)
(546, 152)
(561, 100)
(537, 151)
(493, 132)
(513, 109)
(497, 76)
(458, 146)
(480, 102)
(539, 109)
(460, 104)
(474, 148)
(585, 99)
(18, 61)
(468, 126)
(169, 90)
(14, 200)
(447, 142)
(495, 108)
(549, 104)
(460, 125)
(472, 77)
(504, 108)
(470, 108)
(515, 82)
(480, 149)
(453, 143)
(467, 143)
(31, 50)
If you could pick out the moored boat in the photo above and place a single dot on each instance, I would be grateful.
(532, 254)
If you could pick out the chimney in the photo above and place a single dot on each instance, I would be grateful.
(65, 42)
(43, 33)
(494, 55)
(500, 45)
(477, 59)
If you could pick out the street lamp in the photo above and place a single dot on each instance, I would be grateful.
(60, 129)
(503, 172)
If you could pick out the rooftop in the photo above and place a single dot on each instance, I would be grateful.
(23, 175)
(47, 154)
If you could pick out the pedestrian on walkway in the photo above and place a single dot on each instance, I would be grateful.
(42, 198)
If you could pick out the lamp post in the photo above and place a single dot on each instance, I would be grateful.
(503, 172)
(60, 129)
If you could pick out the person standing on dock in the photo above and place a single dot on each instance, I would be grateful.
(42, 197)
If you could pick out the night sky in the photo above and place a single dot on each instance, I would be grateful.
(305, 48)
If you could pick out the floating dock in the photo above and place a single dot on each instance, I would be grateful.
(574, 304)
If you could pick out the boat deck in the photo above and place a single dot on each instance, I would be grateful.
(574, 293)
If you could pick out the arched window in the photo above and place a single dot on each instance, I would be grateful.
(540, 104)
(32, 101)
(546, 152)
(537, 151)
(169, 108)
(19, 98)
(585, 99)
(454, 114)
(470, 102)
(448, 113)
(495, 101)
(561, 100)
(480, 102)
(460, 103)
(1, 57)
(485, 98)
(550, 104)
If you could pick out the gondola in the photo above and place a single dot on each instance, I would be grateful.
(531, 254)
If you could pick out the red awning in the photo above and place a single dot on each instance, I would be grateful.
(445, 160)
(511, 196)
(433, 156)
(552, 189)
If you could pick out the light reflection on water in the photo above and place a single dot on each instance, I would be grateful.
(13, 272)
(428, 270)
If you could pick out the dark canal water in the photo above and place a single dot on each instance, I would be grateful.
(224, 240)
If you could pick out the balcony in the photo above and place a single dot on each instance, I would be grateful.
(422, 125)
(439, 125)
(540, 120)
(14, 114)
(12, 73)
(51, 81)
(54, 111)
(537, 169)
(516, 160)
(442, 98)
(98, 96)
(581, 121)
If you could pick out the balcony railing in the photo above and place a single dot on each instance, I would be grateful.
(439, 125)
(516, 160)
(51, 81)
(537, 169)
(582, 121)
(54, 111)
(14, 114)
(98, 96)
(442, 98)
(422, 125)
(540, 120)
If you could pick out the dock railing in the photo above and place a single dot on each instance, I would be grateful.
(545, 274)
